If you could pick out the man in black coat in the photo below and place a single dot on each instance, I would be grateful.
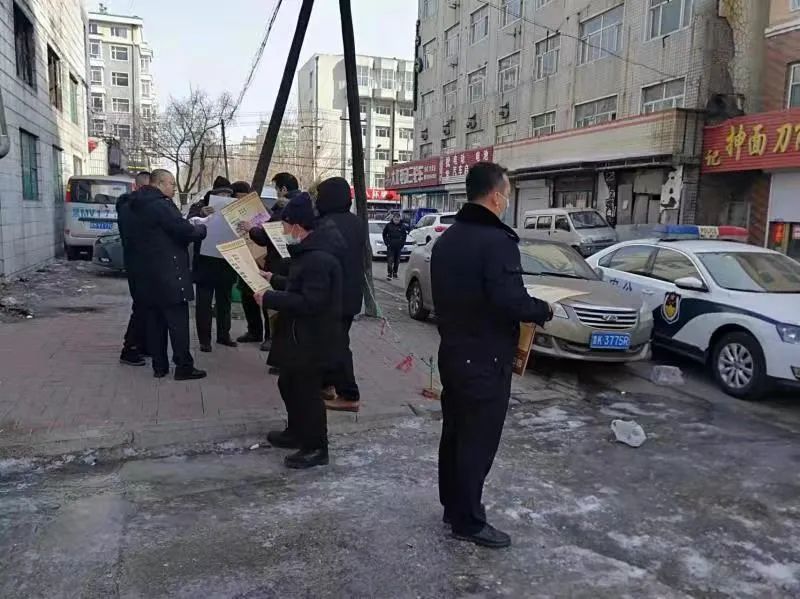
(480, 300)
(161, 240)
(333, 204)
(308, 332)
(394, 238)
(134, 346)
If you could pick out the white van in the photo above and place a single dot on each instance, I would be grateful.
(90, 210)
(585, 229)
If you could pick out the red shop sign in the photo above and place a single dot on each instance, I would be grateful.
(409, 175)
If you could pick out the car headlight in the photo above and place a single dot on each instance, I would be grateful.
(559, 311)
(789, 333)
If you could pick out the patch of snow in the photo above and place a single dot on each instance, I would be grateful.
(630, 542)
(776, 572)
(697, 565)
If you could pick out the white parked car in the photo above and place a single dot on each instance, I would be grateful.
(732, 306)
(376, 242)
(431, 226)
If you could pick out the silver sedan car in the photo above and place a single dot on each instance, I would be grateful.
(599, 323)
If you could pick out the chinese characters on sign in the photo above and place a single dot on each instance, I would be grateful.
(241, 260)
(424, 173)
(453, 168)
(760, 141)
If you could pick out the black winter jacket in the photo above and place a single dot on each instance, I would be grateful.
(333, 205)
(479, 295)
(395, 235)
(160, 242)
(308, 331)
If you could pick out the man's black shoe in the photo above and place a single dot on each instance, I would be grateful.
(307, 459)
(283, 439)
(267, 345)
(160, 374)
(227, 342)
(191, 374)
(131, 358)
(488, 536)
(249, 338)
(205, 348)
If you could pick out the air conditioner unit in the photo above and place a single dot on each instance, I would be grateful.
(504, 111)
(452, 60)
(419, 65)
(424, 134)
(472, 122)
(446, 129)
(454, 4)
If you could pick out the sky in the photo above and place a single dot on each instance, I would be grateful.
(196, 44)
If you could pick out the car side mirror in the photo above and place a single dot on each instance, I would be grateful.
(599, 271)
(690, 283)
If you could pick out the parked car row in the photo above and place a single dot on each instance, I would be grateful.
(730, 306)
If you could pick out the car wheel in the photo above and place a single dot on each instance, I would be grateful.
(71, 252)
(739, 366)
(416, 307)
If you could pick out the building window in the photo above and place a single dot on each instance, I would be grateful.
(427, 105)
(507, 132)
(95, 50)
(120, 105)
(405, 155)
(146, 88)
(120, 32)
(594, 113)
(426, 150)
(73, 99)
(543, 124)
(450, 92)
(476, 85)
(93, 29)
(547, 56)
(145, 64)
(98, 102)
(58, 175)
(794, 86)
(448, 145)
(387, 78)
(429, 55)
(122, 131)
(508, 73)
(452, 38)
(795, 5)
(54, 78)
(428, 8)
(147, 111)
(382, 154)
(384, 109)
(96, 75)
(667, 16)
(510, 11)
(24, 47)
(479, 25)
(407, 77)
(119, 79)
(663, 96)
(406, 133)
(362, 108)
(474, 140)
(382, 132)
(119, 53)
(30, 166)
(362, 72)
(405, 111)
(98, 128)
(601, 35)
(541, 3)
(379, 181)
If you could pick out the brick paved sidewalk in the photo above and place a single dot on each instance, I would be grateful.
(60, 377)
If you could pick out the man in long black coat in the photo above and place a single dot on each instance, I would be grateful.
(161, 239)
(480, 300)
(333, 204)
(394, 238)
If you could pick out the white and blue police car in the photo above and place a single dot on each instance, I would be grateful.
(732, 306)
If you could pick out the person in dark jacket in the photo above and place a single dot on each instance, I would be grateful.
(394, 238)
(214, 279)
(287, 187)
(134, 346)
(340, 389)
(308, 332)
(480, 301)
(161, 240)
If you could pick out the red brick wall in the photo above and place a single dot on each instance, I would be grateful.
(781, 51)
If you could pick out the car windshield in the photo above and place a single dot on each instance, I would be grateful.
(556, 260)
(755, 272)
(587, 219)
(87, 191)
(376, 228)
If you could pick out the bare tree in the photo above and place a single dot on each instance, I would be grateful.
(184, 133)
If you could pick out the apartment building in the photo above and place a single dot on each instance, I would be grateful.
(122, 93)
(753, 161)
(589, 103)
(43, 83)
(386, 91)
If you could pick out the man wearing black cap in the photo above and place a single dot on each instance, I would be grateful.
(307, 335)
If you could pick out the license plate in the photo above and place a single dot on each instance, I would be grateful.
(101, 226)
(610, 341)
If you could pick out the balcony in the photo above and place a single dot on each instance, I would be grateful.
(668, 137)
(380, 93)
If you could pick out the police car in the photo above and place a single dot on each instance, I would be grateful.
(732, 306)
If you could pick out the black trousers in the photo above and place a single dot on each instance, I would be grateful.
(472, 424)
(136, 333)
(305, 410)
(173, 322)
(342, 377)
(206, 294)
(393, 259)
(255, 315)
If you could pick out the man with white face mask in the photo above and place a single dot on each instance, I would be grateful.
(480, 300)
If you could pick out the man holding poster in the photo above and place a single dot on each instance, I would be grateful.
(307, 338)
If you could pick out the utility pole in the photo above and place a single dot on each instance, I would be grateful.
(225, 149)
(260, 175)
(359, 184)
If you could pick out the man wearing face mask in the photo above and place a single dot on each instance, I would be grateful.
(480, 300)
